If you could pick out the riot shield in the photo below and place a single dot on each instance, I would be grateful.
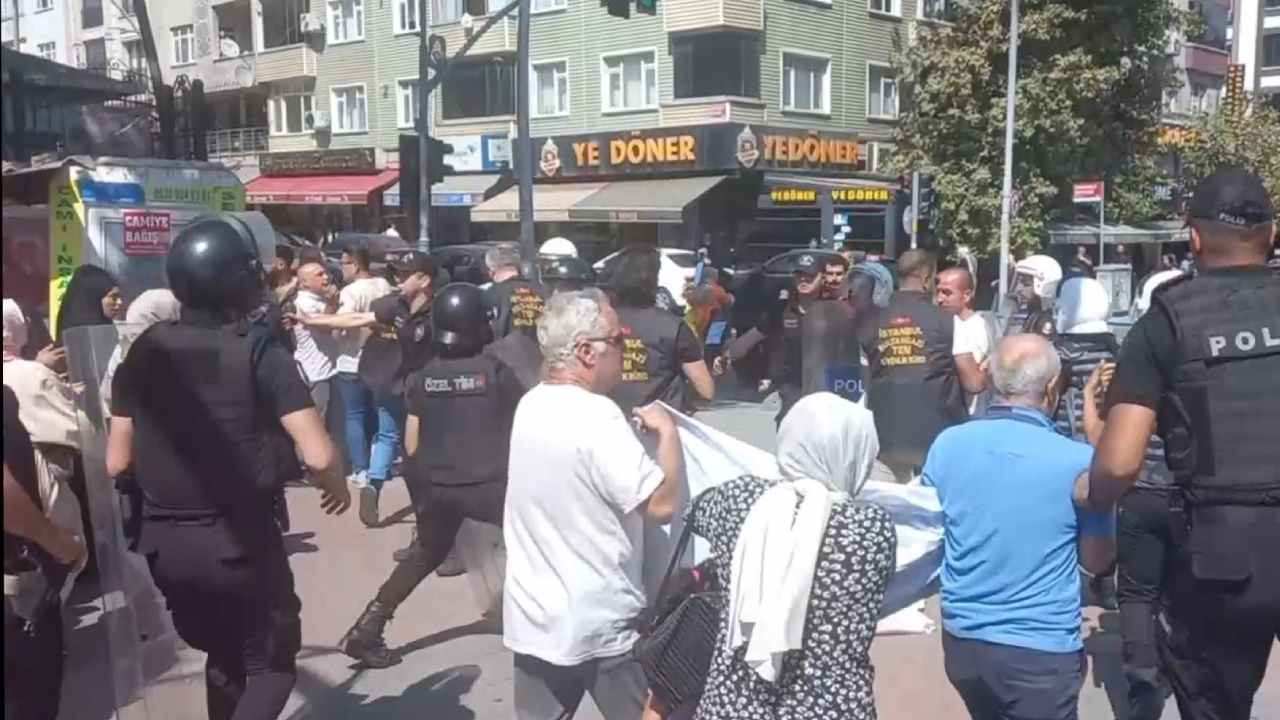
(831, 360)
(484, 556)
(132, 643)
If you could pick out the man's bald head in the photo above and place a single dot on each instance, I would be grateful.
(954, 293)
(312, 276)
(1025, 370)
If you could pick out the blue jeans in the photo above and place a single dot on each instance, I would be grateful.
(357, 404)
(386, 441)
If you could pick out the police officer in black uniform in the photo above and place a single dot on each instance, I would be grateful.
(461, 406)
(564, 273)
(192, 407)
(517, 303)
(915, 388)
(1202, 368)
(661, 355)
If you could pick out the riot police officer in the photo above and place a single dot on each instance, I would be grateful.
(567, 274)
(1035, 288)
(192, 407)
(461, 406)
(1203, 368)
(661, 355)
(517, 303)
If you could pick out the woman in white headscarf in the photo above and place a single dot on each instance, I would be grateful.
(805, 566)
(149, 308)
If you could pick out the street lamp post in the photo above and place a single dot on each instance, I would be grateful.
(1006, 195)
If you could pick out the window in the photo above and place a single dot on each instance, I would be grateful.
(135, 57)
(806, 81)
(290, 114)
(347, 104)
(451, 10)
(48, 51)
(630, 81)
(882, 92)
(346, 20)
(545, 5)
(282, 22)
(551, 88)
(95, 54)
(935, 9)
(407, 104)
(479, 88)
(888, 7)
(717, 64)
(406, 16)
(1271, 50)
(184, 39)
(91, 14)
(44, 5)
(881, 156)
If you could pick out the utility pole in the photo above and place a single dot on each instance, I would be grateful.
(524, 143)
(915, 209)
(1006, 196)
(424, 133)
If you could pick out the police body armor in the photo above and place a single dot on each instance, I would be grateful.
(464, 428)
(221, 444)
(1219, 419)
(518, 305)
(650, 369)
(914, 391)
(831, 359)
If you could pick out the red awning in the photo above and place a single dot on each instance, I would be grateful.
(318, 189)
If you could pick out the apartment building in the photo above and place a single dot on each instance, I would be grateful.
(1255, 44)
(1201, 63)
(39, 27)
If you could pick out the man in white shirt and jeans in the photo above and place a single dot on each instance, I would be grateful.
(315, 350)
(954, 295)
(580, 489)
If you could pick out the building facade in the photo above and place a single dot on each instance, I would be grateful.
(39, 27)
(1255, 45)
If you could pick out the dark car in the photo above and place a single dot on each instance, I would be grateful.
(382, 248)
(755, 289)
(465, 263)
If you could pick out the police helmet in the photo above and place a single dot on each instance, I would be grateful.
(1043, 273)
(558, 247)
(1083, 307)
(568, 269)
(460, 317)
(214, 265)
(1143, 302)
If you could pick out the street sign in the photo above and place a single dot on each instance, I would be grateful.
(1088, 192)
(437, 50)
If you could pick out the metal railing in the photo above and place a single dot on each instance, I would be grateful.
(236, 141)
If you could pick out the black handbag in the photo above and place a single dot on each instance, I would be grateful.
(678, 637)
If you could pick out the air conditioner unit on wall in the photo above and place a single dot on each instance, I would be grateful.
(312, 22)
(320, 120)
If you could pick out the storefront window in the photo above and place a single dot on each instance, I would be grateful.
(479, 88)
(717, 64)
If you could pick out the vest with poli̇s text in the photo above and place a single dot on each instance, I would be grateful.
(650, 368)
(518, 305)
(1220, 417)
(914, 391)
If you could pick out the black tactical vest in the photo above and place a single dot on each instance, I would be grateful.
(1219, 419)
(914, 391)
(650, 368)
(518, 305)
(464, 420)
(202, 440)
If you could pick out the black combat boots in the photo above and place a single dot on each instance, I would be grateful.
(364, 640)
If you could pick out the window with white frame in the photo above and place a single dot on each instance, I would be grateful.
(935, 9)
(184, 39)
(882, 92)
(136, 57)
(347, 104)
(630, 81)
(881, 155)
(806, 83)
(551, 88)
(290, 114)
(545, 5)
(47, 50)
(346, 20)
(888, 7)
(407, 103)
(44, 5)
(446, 11)
(406, 16)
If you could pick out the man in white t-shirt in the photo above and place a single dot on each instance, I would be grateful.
(580, 489)
(315, 350)
(954, 295)
(370, 458)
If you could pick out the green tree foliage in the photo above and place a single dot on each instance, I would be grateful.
(1222, 140)
(1091, 81)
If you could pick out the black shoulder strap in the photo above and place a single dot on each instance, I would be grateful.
(686, 535)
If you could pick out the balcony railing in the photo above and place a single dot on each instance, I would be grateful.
(236, 141)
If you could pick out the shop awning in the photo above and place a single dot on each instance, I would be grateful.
(551, 203)
(647, 201)
(318, 189)
(1087, 234)
(453, 191)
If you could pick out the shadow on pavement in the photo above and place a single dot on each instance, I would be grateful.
(300, 542)
(438, 696)
(398, 517)
(483, 626)
(1104, 647)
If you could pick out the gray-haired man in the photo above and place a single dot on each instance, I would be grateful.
(517, 302)
(580, 486)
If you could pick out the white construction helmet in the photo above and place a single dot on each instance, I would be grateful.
(1083, 307)
(558, 247)
(1044, 273)
(1143, 302)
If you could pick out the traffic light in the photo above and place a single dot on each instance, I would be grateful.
(437, 150)
(618, 8)
(928, 198)
(647, 7)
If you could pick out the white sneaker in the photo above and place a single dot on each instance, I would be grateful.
(358, 480)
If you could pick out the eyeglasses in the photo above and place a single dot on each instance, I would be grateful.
(612, 340)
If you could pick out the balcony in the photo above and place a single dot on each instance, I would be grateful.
(1205, 59)
(286, 63)
(236, 141)
(685, 15)
(706, 111)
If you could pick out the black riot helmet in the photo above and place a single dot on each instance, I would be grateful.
(214, 266)
(460, 320)
(566, 274)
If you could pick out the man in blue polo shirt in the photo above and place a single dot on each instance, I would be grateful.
(1015, 534)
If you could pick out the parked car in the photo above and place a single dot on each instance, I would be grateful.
(465, 263)
(676, 269)
(755, 289)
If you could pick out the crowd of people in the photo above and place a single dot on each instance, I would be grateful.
(547, 410)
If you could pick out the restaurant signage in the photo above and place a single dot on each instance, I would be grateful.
(347, 161)
(783, 195)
